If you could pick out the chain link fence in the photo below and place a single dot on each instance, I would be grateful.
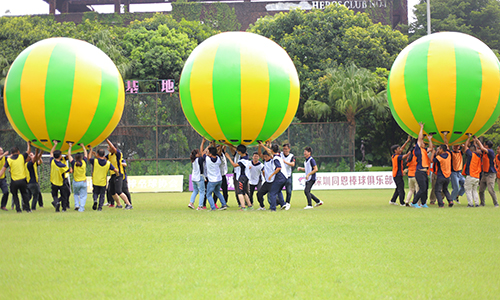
(156, 139)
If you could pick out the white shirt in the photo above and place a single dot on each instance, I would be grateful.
(197, 173)
(255, 173)
(246, 165)
(213, 169)
(286, 169)
(223, 165)
(268, 170)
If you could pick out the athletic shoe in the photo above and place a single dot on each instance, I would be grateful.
(199, 208)
(404, 204)
(216, 207)
(450, 204)
(319, 204)
(308, 207)
(3, 208)
(107, 204)
(468, 205)
(223, 207)
(415, 205)
(249, 207)
(481, 204)
(408, 204)
(477, 205)
(261, 208)
(287, 206)
(94, 207)
(190, 205)
(99, 209)
(424, 206)
(77, 208)
(496, 205)
(128, 206)
(283, 206)
(119, 206)
(54, 203)
(111, 205)
(457, 201)
(393, 203)
(204, 207)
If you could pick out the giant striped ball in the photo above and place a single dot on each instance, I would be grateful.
(66, 90)
(449, 81)
(240, 88)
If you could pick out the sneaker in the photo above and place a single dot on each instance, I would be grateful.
(77, 208)
(287, 206)
(457, 201)
(204, 207)
(54, 203)
(111, 205)
(424, 206)
(3, 208)
(107, 204)
(190, 205)
(261, 208)
(199, 208)
(283, 207)
(99, 209)
(249, 207)
(496, 205)
(308, 207)
(223, 207)
(468, 205)
(119, 206)
(216, 207)
(408, 204)
(415, 205)
(319, 204)
(94, 207)
(481, 204)
(393, 203)
(404, 204)
(477, 205)
(128, 207)
(450, 204)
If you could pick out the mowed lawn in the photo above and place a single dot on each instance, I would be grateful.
(356, 246)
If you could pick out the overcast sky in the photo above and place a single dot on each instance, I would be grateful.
(32, 7)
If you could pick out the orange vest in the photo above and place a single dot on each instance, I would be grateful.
(457, 161)
(445, 164)
(497, 164)
(425, 158)
(397, 168)
(412, 166)
(475, 166)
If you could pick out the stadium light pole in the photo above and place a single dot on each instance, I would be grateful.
(428, 17)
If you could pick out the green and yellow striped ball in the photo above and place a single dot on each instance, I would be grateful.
(450, 81)
(239, 87)
(66, 90)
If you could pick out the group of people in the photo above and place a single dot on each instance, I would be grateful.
(468, 167)
(25, 180)
(210, 167)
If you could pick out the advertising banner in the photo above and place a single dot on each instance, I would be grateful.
(346, 180)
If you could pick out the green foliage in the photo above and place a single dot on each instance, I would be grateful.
(480, 18)
(320, 39)
(218, 16)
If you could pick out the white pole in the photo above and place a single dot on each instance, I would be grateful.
(428, 16)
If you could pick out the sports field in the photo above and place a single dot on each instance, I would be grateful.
(356, 246)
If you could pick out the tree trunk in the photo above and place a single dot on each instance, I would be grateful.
(352, 136)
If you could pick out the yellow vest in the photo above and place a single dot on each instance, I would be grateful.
(35, 170)
(56, 173)
(17, 167)
(115, 163)
(100, 173)
(2, 163)
(79, 172)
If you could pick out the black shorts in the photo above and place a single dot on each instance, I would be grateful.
(242, 187)
(116, 184)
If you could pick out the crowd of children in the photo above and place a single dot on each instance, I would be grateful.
(468, 167)
(25, 180)
(210, 166)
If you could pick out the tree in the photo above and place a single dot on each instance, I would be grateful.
(351, 91)
(480, 18)
(320, 39)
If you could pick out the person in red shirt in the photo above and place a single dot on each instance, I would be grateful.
(397, 172)
(472, 169)
(489, 175)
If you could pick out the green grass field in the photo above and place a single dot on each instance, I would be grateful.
(356, 246)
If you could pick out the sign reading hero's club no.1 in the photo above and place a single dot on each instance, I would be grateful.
(350, 4)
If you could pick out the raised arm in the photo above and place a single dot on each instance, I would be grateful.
(70, 158)
(202, 143)
(112, 147)
(28, 150)
(480, 145)
(431, 146)
(420, 140)
(266, 148)
(231, 147)
(84, 150)
(38, 156)
(445, 137)
(5, 153)
(53, 148)
(467, 143)
(259, 150)
(406, 143)
(231, 160)
(90, 152)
